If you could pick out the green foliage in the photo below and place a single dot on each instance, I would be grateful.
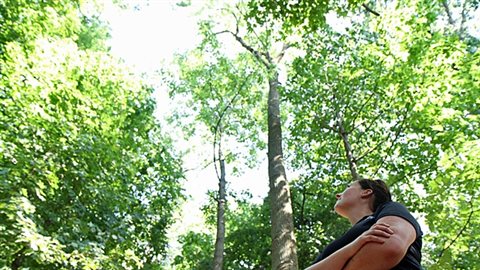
(306, 15)
(247, 239)
(87, 180)
(409, 104)
(223, 94)
(93, 34)
(197, 250)
(24, 21)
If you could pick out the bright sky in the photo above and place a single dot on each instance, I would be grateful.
(147, 38)
(153, 32)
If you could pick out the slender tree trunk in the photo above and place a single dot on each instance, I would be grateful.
(284, 253)
(220, 241)
(348, 148)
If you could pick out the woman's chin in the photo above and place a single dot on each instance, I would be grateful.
(337, 208)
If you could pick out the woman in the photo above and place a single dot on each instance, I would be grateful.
(384, 235)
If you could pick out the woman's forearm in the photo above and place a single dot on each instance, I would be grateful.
(338, 259)
(378, 233)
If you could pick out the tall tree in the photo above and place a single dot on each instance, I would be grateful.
(284, 254)
(220, 91)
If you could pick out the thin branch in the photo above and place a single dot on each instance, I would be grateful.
(462, 29)
(459, 233)
(255, 53)
(264, 45)
(449, 12)
(383, 141)
(219, 122)
(352, 162)
(285, 47)
(370, 125)
(368, 100)
(221, 32)
(394, 141)
(412, 173)
(370, 10)
(266, 55)
(197, 167)
(216, 128)
(361, 109)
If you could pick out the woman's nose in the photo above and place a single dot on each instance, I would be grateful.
(338, 196)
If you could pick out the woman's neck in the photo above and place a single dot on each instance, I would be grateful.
(358, 214)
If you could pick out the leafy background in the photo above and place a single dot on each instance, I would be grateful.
(91, 179)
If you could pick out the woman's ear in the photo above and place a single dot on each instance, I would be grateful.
(366, 193)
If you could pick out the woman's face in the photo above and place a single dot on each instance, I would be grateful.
(348, 198)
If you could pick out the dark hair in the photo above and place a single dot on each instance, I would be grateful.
(380, 191)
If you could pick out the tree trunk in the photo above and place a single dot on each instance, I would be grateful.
(284, 253)
(220, 241)
(284, 250)
(348, 149)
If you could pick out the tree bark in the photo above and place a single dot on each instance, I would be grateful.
(284, 253)
(348, 148)
(220, 238)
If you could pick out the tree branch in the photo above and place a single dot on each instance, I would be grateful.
(462, 28)
(459, 233)
(370, 10)
(361, 109)
(197, 167)
(217, 125)
(256, 54)
(282, 53)
(352, 162)
(451, 21)
(221, 32)
(397, 135)
(383, 141)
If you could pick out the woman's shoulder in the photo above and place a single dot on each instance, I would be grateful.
(399, 210)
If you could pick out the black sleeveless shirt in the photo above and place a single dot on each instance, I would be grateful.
(412, 259)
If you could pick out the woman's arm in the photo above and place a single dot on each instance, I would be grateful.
(378, 234)
(388, 254)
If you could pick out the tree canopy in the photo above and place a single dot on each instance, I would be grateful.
(88, 179)
(91, 179)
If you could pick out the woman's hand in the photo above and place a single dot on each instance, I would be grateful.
(378, 233)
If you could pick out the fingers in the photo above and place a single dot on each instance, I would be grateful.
(375, 239)
(381, 233)
(378, 233)
(382, 227)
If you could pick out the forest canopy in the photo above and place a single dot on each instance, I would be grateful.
(326, 92)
